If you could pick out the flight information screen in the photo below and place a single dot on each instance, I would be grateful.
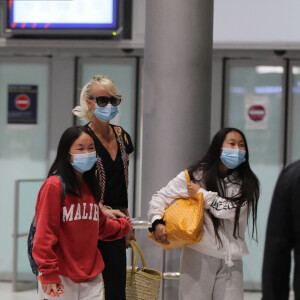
(63, 14)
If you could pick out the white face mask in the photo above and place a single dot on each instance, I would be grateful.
(84, 161)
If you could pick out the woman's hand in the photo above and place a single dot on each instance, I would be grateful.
(113, 213)
(160, 235)
(193, 188)
(129, 237)
(48, 287)
(129, 222)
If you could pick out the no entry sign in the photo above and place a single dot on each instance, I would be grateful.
(22, 104)
(256, 112)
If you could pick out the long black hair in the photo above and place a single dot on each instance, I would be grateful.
(213, 181)
(61, 165)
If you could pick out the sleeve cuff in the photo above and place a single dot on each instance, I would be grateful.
(49, 278)
(207, 196)
(204, 192)
(156, 222)
(156, 217)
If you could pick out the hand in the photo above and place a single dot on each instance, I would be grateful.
(160, 234)
(48, 287)
(129, 222)
(129, 237)
(113, 213)
(193, 189)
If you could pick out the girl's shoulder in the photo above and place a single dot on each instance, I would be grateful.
(52, 182)
(51, 188)
(198, 174)
(233, 179)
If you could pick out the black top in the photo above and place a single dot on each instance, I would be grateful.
(283, 236)
(115, 194)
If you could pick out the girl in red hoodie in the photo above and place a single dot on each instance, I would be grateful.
(67, 232)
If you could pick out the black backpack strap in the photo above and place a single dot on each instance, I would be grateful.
(63, 188)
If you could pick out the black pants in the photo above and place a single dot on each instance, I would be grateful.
(114, 273)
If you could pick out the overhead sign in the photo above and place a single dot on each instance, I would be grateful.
(22, 104)
(256, 112)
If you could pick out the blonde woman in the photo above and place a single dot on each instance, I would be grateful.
(99, 103)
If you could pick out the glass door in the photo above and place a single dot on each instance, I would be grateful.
(255, 104)
(294, 112)
(24, 98)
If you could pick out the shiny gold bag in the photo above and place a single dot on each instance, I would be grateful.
(184, 221)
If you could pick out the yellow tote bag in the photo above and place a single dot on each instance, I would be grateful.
(184, 221)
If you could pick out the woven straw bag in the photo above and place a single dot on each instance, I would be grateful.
(184, 221)
(141, 284)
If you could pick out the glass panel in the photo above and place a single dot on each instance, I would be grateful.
(28, 192)
(294, 132)
(255, 105)
(26, 199)
(23, 153)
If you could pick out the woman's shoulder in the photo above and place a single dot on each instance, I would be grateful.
(88, 129)
(292, 170)
(119, 129)
(125, 137)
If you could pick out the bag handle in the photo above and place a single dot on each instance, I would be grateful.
(134, 246)
(187, 175)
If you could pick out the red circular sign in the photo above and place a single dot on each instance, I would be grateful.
(256, 112)
(22, 102)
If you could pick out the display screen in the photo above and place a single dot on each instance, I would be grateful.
(63, 14)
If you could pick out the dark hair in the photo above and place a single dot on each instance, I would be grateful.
(213, 181)
(61, 165)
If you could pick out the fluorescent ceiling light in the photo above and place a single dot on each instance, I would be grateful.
(269, 69)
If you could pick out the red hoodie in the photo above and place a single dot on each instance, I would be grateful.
(65, 242)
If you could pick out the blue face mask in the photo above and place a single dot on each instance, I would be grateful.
(106, 113)
(84, 162)
(232, 158)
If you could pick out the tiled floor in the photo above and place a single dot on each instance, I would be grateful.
(252, 296)
(7, 294)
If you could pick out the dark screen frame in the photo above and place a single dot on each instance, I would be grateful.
(121, 31)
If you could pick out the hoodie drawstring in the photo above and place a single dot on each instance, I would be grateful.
(228, 259)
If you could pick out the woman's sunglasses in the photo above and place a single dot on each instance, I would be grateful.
(103, 101)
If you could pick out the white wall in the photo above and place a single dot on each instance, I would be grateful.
(244, 24)
(256, 24)
(238, 24)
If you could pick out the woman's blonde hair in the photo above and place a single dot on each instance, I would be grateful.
(82, 111)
